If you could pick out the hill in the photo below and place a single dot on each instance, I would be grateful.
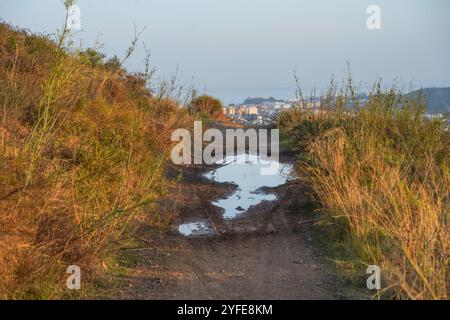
(438, 99)
(260, 100)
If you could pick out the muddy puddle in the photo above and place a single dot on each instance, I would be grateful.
(246, 171)
(199, 228)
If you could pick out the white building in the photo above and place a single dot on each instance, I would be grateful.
(251, 110)
(229, 111)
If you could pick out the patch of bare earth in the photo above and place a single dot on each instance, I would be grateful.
(267, 253)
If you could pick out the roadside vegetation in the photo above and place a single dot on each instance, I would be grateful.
(381, 173)
(206, 107)
(83, 145)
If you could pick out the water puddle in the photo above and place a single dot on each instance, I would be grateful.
(199, 228)
(245, 171)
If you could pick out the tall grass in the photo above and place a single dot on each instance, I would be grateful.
(382, 169)
(82, 151)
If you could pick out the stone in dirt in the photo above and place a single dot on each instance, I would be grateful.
(270, 228)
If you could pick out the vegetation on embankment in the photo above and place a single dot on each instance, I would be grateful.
(381, 172)
(82, 149)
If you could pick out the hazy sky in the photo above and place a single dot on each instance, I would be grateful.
(240, 48)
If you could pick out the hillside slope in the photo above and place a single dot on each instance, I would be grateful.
(438, 99)
(83, 145)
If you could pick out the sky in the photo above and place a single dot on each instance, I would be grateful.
(233, 49)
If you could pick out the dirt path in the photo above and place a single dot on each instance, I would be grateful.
(265, 254)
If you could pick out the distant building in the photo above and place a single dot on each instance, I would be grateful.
(312, 105)
(252, 110)
(304, 104)
(229, 111)
(259, 120)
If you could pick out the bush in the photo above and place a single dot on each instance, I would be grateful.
(207, 107)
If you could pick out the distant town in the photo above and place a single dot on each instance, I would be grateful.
(264, 111)
(261, 111)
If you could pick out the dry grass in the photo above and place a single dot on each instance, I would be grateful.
(82, 154)
(383, 169)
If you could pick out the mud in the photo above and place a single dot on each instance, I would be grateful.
(266, 252)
